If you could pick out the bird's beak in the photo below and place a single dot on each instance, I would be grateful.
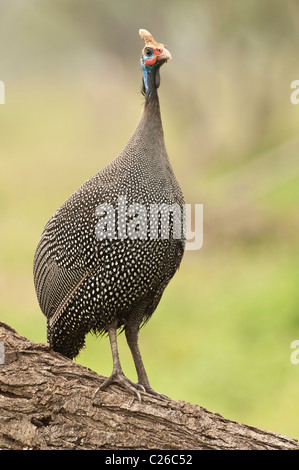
(165, 55)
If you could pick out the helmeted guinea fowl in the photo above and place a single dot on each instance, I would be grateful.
(107, 254)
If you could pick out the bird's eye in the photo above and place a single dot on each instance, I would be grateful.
(148, 51)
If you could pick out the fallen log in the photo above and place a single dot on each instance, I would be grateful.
(48, 402)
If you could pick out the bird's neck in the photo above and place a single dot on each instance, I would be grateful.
(150, 124)
(151, 118)
(151, 81)
(147, 141)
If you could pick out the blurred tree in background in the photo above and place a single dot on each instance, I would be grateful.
(221, 335)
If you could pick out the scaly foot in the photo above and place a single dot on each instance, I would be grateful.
(120, 379)
(148, 389)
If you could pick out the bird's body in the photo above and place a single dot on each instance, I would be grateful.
(86, 281)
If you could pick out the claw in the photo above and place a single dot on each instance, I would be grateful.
(122, 381)
(142, 388)
(153, 392)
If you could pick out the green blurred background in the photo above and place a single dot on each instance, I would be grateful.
(221, 335)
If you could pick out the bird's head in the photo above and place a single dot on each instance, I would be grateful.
(153, 56)
(153, 53)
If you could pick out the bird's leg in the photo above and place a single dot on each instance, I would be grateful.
(132, 340)
(117, 375)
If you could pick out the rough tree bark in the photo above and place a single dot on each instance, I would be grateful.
(47, 402)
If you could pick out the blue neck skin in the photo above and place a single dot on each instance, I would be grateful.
(147, 76)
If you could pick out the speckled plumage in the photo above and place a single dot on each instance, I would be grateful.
(86, 284)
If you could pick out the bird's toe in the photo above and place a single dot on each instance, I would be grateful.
(121, 380)
(153, 392)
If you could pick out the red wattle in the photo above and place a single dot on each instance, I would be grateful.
(151, 61)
